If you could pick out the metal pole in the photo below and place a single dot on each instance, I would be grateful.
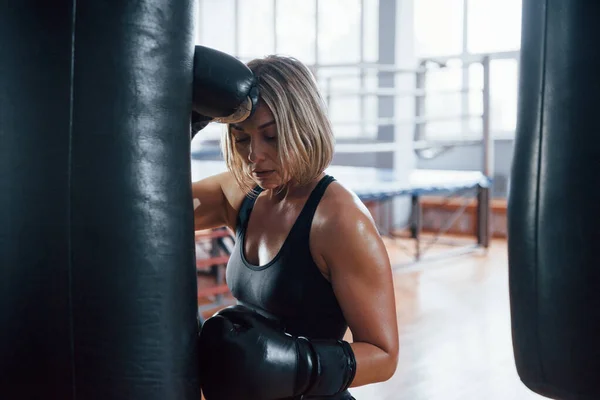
(487, 140)
(484, 195)
(328, 95)
(420, 103)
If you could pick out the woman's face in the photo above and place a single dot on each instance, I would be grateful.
(255, 140)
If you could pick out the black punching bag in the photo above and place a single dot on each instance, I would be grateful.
(554, 204)
(97, 274)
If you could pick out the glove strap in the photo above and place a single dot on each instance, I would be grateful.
(351, 364)
(334, 367)
(308, 371)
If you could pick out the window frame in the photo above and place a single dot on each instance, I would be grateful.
(319, 69)
(467, 58)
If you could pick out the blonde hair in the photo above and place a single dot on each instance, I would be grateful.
(305, 141)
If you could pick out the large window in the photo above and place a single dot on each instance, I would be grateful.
(443, 102)
(438, 27)
(493, 25)
(339, 31)
(341, 86)
(466, 30)
(217, 25)
(334, 36)
(256, 36)
(296, 29)
(320, 33)
(503, 95)
(370, 26)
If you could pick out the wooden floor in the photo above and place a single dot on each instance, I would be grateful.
(455, 337)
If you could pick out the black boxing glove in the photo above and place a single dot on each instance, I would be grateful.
(199, 122)
(244, 355)
(224, 89)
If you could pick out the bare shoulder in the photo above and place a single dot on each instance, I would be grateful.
(340, 207)
(344, 234)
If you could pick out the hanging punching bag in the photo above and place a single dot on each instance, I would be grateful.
(554, 204)
(97, 274)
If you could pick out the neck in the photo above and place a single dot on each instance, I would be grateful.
(292, 190)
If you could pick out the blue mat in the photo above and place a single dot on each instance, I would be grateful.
(377, 183)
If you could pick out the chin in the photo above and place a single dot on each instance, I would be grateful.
(272, 182)
(268, 185)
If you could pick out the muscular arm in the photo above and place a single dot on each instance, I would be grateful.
(359, 270)
(217, 200)
(349, 251)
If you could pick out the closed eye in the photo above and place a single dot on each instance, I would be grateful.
(240, 140)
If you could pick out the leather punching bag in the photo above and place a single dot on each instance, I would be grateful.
(97, 274)
(554, 203)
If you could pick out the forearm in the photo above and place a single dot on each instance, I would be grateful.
(211, 204)
(373, 364)
(208, 221)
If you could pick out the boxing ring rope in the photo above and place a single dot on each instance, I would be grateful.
(419, 93)
(424, 146)
(465, 59)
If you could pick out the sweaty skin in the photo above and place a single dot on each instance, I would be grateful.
(344, 241)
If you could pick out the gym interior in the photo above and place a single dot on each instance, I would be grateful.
(466, 127)
(425, 91)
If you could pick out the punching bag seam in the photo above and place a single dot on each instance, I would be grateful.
(69, 202)
(539, 169)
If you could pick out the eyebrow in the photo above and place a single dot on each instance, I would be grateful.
(263, 126)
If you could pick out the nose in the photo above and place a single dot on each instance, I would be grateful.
(257, 151)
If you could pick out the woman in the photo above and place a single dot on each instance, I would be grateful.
(307, 251)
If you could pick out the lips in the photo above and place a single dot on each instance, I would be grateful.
(261, 173)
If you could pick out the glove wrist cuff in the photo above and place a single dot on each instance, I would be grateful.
(307, 368)
(334, 367)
